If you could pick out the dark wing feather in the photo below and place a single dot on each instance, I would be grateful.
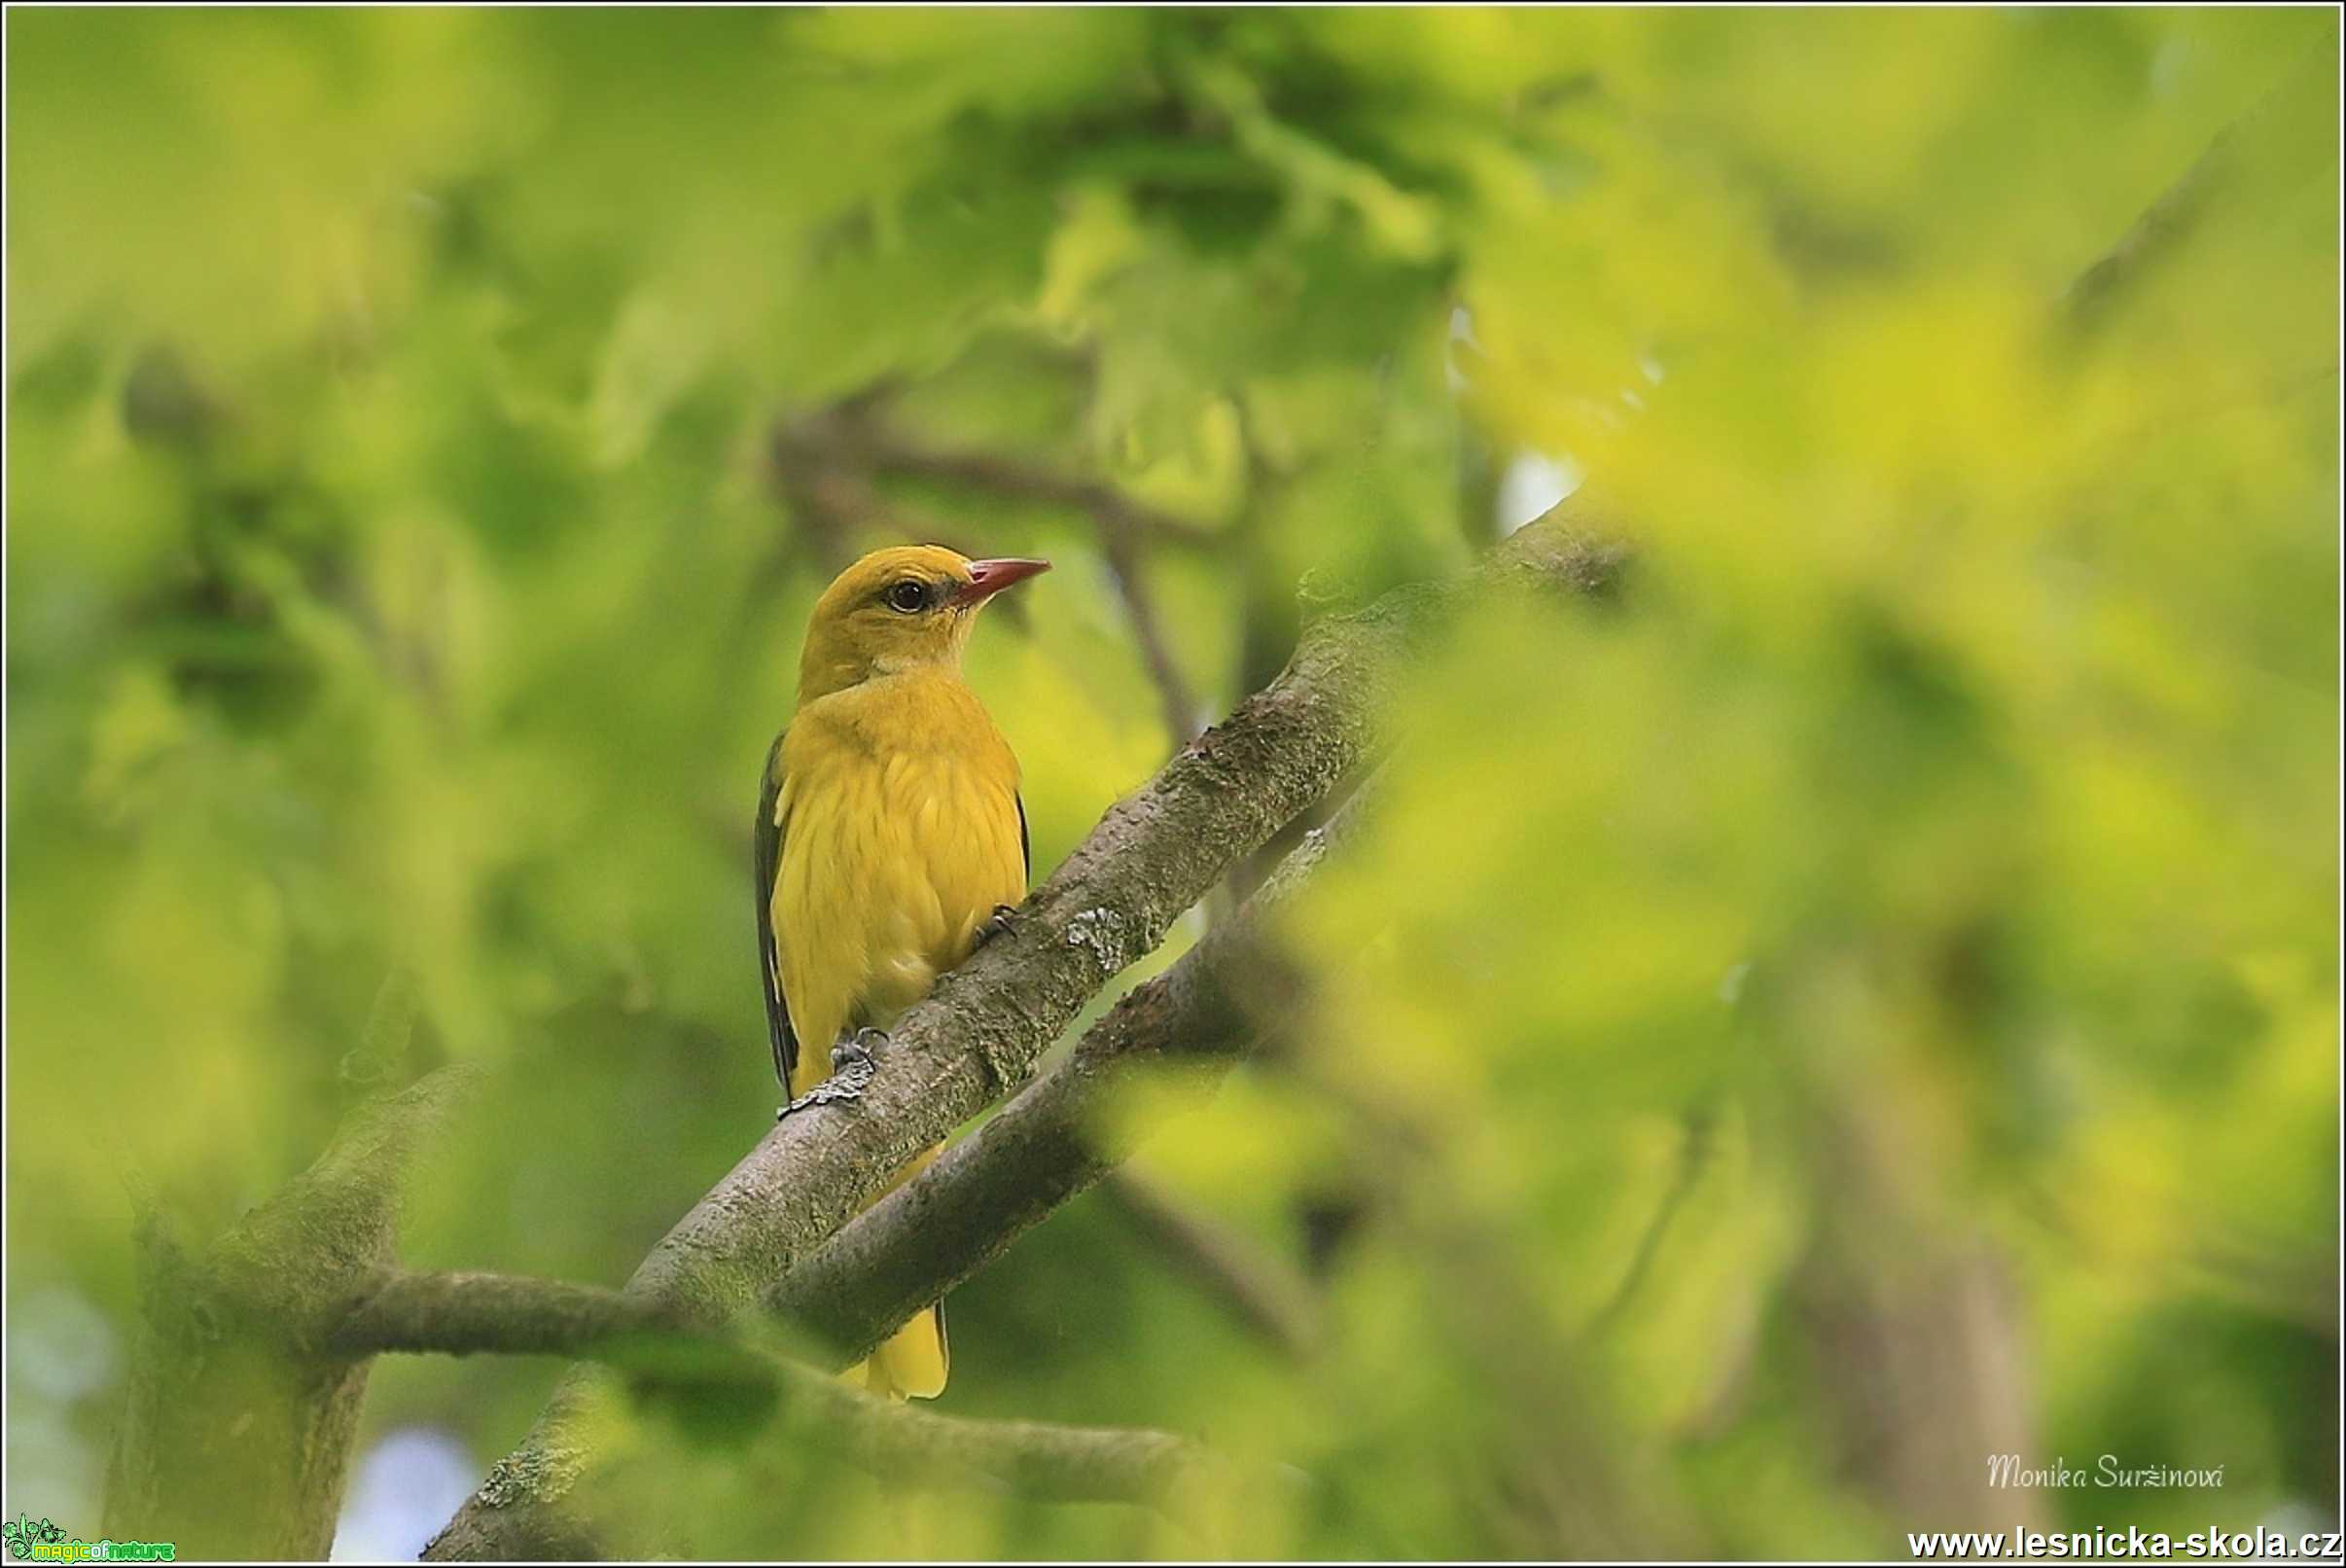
(1026, 853)
(767, 843)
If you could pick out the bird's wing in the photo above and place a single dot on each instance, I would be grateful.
(767, 841)
(1026, 853)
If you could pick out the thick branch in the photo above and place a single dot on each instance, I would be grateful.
(1190, 1024)
(340, 1216)
(231, 1442)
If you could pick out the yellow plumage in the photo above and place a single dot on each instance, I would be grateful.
(889, 832)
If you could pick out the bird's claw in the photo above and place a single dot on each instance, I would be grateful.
(853, 1061)
(996, 924)
(858, 1054)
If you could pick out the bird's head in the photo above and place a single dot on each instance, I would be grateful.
(896, 609)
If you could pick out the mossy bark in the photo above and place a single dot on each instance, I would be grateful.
(236, 1432)
(229, 1445)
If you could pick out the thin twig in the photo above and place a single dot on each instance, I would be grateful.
(1697, 1140)
(2167, 222)
(829, 465)
(887, 452)
(1266, 1294)
(1132, 588)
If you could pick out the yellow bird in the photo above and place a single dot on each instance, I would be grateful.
(890, 842)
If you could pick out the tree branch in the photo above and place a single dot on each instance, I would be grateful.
(1066, 1464)
(473, 1314)
(1184, 1028)
(2162, 225)
(341, 1215)
(2171, 218)
(1127, 565)
(1116, 513)
(230, 1441)
(468, 1312)
(1268, 1294)
(1697, 1137)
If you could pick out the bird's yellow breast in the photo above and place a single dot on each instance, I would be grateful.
(898, 811)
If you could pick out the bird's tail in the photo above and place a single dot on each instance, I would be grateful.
(912, 1361)
(909, 1364)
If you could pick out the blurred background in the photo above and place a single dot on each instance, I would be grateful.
(1863, 1002)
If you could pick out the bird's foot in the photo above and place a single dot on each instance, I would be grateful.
(853, 1061)
(996, 924)
(858, 1056)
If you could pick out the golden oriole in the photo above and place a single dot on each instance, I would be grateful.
(890, 842)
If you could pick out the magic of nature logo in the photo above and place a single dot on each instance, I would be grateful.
(45, 1541)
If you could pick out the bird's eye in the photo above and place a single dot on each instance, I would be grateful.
(908, 596)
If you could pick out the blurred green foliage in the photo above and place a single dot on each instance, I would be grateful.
(1869, 994)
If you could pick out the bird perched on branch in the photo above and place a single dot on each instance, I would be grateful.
(890, 842)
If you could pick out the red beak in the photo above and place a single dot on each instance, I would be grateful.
(988, 578)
